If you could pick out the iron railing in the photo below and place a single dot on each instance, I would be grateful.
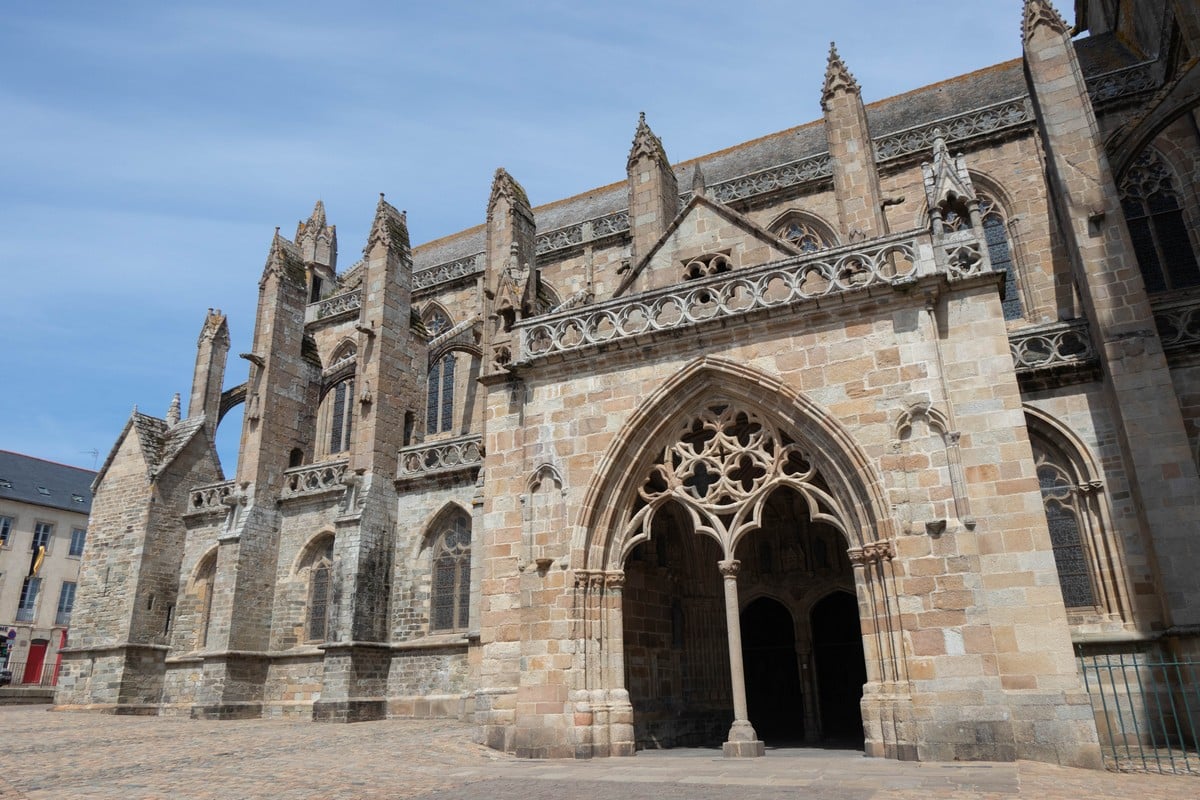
(1147, 708)
(13, 674)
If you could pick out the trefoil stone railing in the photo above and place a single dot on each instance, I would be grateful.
(314, 479)
(210, 497)
(896, 260)
(1121, 82)
(1059, 344)
(440, 458)
(988, 119)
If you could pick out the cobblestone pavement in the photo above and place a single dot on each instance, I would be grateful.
(57, 755)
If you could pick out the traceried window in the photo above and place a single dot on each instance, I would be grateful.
(804, 235)
(1000, 250)
(1154, 212)
(320, 591)
(450, 596)
(1064, 518)
(341, 416)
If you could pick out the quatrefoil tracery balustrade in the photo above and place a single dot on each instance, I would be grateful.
(720, 467)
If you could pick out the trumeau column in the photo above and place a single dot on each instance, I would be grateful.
(212, 350)
(653, 190)
(743, 740)
(1149, 425)
(855, 179)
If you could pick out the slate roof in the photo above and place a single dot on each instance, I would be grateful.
(995, 84)
(160, 444)
(45, 483)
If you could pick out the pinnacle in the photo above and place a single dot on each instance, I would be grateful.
(318, 214)
(645, 143)
(837, 76)
(1041, 12)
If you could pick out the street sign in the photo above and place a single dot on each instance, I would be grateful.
(12, 633)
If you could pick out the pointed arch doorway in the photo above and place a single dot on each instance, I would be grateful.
(732, 504)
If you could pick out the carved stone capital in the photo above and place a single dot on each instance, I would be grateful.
(729, 567)
(615, 580)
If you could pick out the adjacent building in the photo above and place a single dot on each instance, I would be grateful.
(42, 504)
(881, 428)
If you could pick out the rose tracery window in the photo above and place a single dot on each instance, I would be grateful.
(1154, 213)
(720, 463)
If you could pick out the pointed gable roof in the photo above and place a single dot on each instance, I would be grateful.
(158, 442)
(752, 235)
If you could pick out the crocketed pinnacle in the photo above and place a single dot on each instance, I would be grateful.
(390, 227)
(837, 77)
(646, 144)
(173, 411)
(506, 186)
(1041, 12)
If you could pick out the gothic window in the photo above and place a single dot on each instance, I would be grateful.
(1000, 249)
(341, 416)
(320, 590)
(440, 402)
(804, 233)
(1068, 518)
(343, 354)
(450, 597)
(1154, 212)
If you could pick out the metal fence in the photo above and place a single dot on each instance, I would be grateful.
(1147, 710)
(14, 674)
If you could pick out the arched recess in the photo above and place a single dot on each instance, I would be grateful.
(312, 589)
(805, 230)
(544, 511)
(1088, 555)
(193, 614)
(789, 444)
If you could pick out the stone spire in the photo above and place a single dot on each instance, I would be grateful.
(837, 77)
(646, 145)
(698, 186)
(653, 189)
(212, 350)
(1041, 12)
(851, 153)
(389, 229)
(316, 240)
(173, 412)
(511, 266)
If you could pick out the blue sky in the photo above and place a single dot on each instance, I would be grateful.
(151, 148)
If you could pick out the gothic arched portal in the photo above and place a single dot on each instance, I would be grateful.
(720, 487)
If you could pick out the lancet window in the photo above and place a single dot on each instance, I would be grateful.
(1154, 212)
(319, 565)
(1067, 518)
(341, 415)
(439, 407)
(202, 596)
(450, 595)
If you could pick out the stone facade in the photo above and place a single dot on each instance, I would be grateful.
(868, 434)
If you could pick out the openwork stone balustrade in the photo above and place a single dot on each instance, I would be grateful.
(203, 499)
(449, 455)
(339, 304)
(892, 261)
(989, 119)
(1122, 82)
(313, 479)
(1178, 325)
(1056, 345)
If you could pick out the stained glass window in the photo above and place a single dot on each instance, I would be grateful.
(1157, 227)
(341, 423)
(805, 236)
(320, 589)
(1062, 518)
(440, 399)
(450, 600)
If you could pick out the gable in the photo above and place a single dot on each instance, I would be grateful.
(702, 232)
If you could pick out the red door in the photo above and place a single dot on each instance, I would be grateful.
(33, 667)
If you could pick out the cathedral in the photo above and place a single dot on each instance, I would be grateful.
(869, 431)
